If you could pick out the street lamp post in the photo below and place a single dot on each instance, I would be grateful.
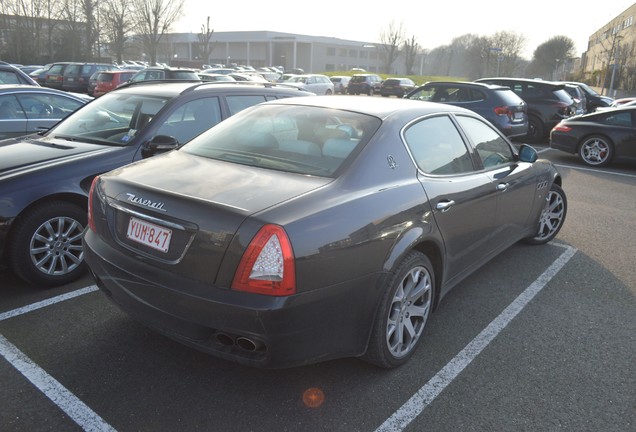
(615, 64)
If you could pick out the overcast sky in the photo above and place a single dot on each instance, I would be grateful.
(432, 23)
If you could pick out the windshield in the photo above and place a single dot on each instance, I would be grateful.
(114, 118)
(297, 139)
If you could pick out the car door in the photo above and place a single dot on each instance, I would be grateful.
(514, 181)
(463, 198)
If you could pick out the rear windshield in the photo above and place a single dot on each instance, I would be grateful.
(297, 139)
(509, 97)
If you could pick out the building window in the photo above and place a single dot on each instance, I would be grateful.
(353, 53)
(330, 67)
(342, 52)
(331, 51)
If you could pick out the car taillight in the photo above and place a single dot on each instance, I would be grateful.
(562, 128)
(502, 110)
(267, 267)
(91, 221)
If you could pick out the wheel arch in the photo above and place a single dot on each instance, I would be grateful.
(415, 240)
(69, 197)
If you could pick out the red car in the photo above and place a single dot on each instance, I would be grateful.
(110, 80)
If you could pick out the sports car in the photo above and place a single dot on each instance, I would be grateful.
(309, 229)
(599, 137)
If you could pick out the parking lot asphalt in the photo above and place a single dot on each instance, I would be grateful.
(540, 339)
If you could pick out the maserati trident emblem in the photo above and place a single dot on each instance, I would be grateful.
(391, 161)
(145, 202)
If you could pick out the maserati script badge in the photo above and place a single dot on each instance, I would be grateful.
(145, 202)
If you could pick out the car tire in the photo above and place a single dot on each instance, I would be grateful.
(536, 129)
(596, 150)
(46, 245)
(371, 92)
(403, 313)
(552, 216)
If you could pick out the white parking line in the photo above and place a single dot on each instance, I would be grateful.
(48, 302)
(81, 414)
(427, 393)
(90, 421)
(77, 410)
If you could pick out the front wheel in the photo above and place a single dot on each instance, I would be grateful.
(403, 314)
(46, 245)
(552, 216)
(596, 150)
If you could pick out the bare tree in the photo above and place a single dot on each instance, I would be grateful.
(116, 25)
(205, 37)
(411, 49)
(510, 46)
(391, 40)
(153, 19)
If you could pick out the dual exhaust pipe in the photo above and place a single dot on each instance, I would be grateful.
(242, 342)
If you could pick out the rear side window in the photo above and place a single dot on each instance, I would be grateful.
(72, 69)
(239, 103)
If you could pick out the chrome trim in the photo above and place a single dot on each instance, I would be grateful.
(146, 217)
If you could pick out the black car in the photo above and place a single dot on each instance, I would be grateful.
(593, 100)
(548, 103)
(12, 75)
(44, 179)
(396, 87)
(497, 104)
(26, 109)
(165, 74)
(365, 83)
(599, 137)
(77, 75)
(262, 242)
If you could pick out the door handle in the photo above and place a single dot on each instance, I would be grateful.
(444, 205)
(502, 186)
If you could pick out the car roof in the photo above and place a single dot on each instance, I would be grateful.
(469, 84)
(171, 88)
(8, 88)
(378, 107)
(524, 80)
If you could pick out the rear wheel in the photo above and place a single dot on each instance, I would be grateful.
(403, 314)
(552, 216)
(46, 245)
(596, 150)
(535, 129)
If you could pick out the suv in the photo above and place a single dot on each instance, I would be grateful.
(163, 74)
(12, 75)
(54, 77)
(110, 80)
(76, 75)
(497, 104)
(396, 87)
(364, 83)
(548, 103)
(45, 192)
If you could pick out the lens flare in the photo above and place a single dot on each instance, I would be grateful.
(313, 397)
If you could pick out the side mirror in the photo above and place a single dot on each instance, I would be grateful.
(159, 144)
(527, 154)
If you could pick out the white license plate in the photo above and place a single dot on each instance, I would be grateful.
(149, 234)
(518, 116)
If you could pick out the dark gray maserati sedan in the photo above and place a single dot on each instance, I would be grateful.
(310, 229)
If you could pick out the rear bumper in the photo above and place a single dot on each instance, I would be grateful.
(251, 329)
